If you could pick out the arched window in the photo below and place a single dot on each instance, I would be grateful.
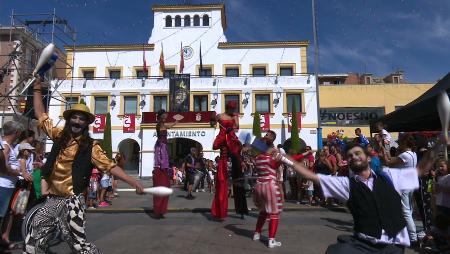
(177, 20)
(187, 20)
(205, 20)
(168, 21)
(196, 20)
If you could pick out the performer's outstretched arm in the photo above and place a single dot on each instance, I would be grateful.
(306, 173)
(119, 173)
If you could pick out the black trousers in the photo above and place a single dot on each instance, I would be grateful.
(348, 244)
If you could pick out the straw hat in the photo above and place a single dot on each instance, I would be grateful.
(79, 108)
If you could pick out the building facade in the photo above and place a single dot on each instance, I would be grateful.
(350, 101)
(265, 77)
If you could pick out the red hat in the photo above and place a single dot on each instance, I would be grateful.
(231, 105)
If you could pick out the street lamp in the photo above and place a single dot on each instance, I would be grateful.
(316, 70)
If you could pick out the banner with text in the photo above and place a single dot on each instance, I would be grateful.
(99, 123)
(265, 122)
(129, 123)
(350, 116)
(186, 117)
(179, 87)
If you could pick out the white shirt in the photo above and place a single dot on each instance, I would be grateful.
(339, 187)
(386, 135)
(443, 199)
(10, 181)
(409, 159)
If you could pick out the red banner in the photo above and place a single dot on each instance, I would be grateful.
(129, 123)
(265, 122)
(299, 121)
(186, 117)
(99, 123)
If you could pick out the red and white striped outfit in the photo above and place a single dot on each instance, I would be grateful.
(267, 194)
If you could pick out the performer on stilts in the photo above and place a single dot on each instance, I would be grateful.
(161, 165)
(268, 192)
(65, 177)
(230, 147)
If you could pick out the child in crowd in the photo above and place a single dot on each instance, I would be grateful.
(93, 189)
(104, 183)
(442, 189)
(386, 137)
(309, 187)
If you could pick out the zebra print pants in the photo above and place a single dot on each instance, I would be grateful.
(65, 214)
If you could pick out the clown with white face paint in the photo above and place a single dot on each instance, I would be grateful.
(65, 177)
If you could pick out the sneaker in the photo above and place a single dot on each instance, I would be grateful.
(196, 190)
(421, 235)
(273, 243)
(103, 204)
(91, 207)
(203, 190)
(256, 236)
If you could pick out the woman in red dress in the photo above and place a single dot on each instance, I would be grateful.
(229, 146)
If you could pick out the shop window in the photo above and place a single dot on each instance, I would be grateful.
(200, 103)
(101, 105)
(130, 105)
(262, 103)
(232, 72)
(159, 102)
(298, 102)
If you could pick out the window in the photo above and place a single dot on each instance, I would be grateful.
(88, 74)
(368, 80)
(396, 80)
(286, 71)
(298, 102)
(159, 102)
(130, 105)
(206, 72)
(114, 74)
(196, 20)
(141, 74)
(233, 97)
(177, 20)
(168, 73)
(70, 101)
(168, 21)
(262, 103)
(259, 71)
(232, 72)
(205, 20)
(200, 103)
(101, 105)
(187, 20)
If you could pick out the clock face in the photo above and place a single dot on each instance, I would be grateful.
(188, 52)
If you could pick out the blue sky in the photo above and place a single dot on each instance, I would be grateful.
(354, 35)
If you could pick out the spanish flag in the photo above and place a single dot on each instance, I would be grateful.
(161, 61)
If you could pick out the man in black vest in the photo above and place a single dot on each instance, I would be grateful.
(379, 226)
(65, 177)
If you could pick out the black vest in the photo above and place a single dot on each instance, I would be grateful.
(81, 168)
(378, 209)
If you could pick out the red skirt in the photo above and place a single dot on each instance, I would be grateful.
(219, 207)
(160, 178)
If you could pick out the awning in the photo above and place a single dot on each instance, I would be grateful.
(420, 114)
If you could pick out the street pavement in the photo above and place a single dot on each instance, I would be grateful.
(127, 227)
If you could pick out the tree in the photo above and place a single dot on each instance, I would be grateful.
(82, 101)
(106, 144)
(256, 125)
(295, 139)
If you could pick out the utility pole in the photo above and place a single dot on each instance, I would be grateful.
(316, 73)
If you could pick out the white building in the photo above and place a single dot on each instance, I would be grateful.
(262, 76)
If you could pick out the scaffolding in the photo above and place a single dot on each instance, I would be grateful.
(35, 30)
